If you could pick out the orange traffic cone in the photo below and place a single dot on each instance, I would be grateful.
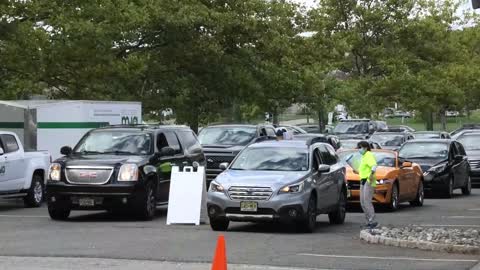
(220, 259)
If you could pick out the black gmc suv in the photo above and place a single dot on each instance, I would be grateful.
(222, 143)
(120, 168)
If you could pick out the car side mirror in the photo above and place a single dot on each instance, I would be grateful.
(407, 164)
(323, 168)
(66, 150)
(223, 166)
(167, 151)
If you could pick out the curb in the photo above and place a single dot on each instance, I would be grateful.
(387, 241)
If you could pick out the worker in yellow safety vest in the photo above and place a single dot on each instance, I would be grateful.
(366, 170)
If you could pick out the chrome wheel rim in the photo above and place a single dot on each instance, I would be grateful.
(38, 192)
(421, 193)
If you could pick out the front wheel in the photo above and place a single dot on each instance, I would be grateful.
(338, 216)
(467, 189)
(35, 193)
(219, 224)
(146, 204)
(420, 196)
(58, 212)
(394, 199)
(310, 220)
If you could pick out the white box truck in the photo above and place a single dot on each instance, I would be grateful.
(50, 124)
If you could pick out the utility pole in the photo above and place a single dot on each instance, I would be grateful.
(476, 4)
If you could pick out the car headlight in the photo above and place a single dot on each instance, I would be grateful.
(437, 169)
(128, 172)
(215, 187)
(55, 172)
(295, 188)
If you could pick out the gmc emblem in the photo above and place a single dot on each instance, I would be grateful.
(88, 175)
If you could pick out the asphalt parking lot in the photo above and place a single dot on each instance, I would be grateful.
(95, 236)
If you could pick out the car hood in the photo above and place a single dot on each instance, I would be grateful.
(102, 160)
(221, 148)
(381, 173)
(426, 164)
(272, 179)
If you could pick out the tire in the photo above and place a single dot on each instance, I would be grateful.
(36, 192)
(394, 199)
(219, 224)
(448, 192)
(420, 196)
(58, 212)
(309, 222)
(146, 203)
(467, 189)
(338, 216)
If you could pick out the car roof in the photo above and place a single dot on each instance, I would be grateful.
(355, 120)
(444, 141)
(391, 133)
(470, 132)
(283, 143)
(144, 127)
(233, 125)
(429, 132)
(310, 135)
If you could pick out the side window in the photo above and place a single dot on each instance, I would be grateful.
(10, 143)
(168, 138)
(316, 160)
(452, 151)
(328, 157)
(263, 132)
(190, 142)
(270, 132)
(460, 149)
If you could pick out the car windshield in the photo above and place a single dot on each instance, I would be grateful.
(227, 135)
(424, 150)
(385, 159)
(351, 128)
(470, 142)
(388, 139)
(272, 159)
(427, 135)
(349, 144)
(115, 142)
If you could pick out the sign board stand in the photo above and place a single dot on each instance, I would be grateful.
(187, 202)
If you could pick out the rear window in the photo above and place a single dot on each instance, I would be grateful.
(227, 135)
(424, 150)
(9, 143)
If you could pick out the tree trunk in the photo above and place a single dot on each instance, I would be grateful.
(429, 120)
(194, 123)
(443, 119)
(275, 119)
(321, 120)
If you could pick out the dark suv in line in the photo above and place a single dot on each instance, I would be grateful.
(222, 143)
(120, 168)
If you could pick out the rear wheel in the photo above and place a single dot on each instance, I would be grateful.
(467, 189)
(58, 212)
(394, 199)
(310, 220)
(420, 196)
(219, 224)
(338, 216)
(35, 193)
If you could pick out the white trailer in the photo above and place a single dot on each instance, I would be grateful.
(51, 124)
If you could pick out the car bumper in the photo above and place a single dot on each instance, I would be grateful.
(382, 195)
(284, 207)
(105, 196)
(434, 182)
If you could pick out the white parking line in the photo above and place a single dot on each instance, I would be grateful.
(385, 258)
(18, 216)
(449, 225)
(463, 217)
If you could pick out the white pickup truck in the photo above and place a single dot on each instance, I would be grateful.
(22, 174)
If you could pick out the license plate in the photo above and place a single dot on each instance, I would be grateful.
(86, 202)
(248, 206)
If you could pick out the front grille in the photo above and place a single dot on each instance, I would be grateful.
(354, 185)
(213, 163)
(475, 164)
(250, 193)
(88, 175)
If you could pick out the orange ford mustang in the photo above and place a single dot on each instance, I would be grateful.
(396, 183)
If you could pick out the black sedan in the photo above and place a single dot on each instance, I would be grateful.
(431, 135)
(444, 164)
(471, 142)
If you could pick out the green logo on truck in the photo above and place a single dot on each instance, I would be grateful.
(132, 120)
